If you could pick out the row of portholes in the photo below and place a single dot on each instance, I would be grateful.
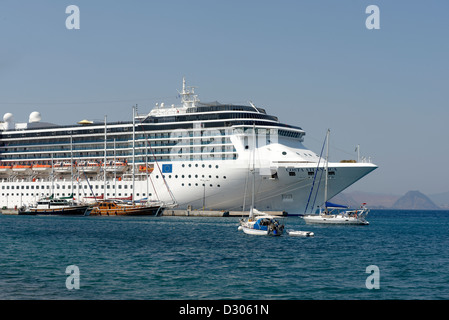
(203, 165)
(196, 185)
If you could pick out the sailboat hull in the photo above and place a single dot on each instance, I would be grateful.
(334, 219)
(255, 232)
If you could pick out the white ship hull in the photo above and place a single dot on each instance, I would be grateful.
(224, 190)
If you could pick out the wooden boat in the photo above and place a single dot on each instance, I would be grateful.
(116, 208)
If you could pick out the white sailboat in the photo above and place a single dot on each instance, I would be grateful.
(335, 213)
(264, 224)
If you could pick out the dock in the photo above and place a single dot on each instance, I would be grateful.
(189, 213)
(10, 211)
(215, 213)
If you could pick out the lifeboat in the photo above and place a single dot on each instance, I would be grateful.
(116, 166)
(88, 167)
(5, 170)
(62, 167)
(21, 169)
(41, 168)
(146, 169)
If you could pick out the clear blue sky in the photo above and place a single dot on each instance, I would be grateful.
(312, 63)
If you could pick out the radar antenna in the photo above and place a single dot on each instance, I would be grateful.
(188, 96)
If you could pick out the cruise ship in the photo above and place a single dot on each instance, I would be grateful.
(194, 155)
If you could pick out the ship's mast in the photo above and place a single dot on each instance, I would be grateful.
(188, 96)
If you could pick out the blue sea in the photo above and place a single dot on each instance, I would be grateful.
(199, 258)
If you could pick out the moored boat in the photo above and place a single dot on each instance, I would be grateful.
(263, 225)
(338, 214)
(56, 207)
(117, 208)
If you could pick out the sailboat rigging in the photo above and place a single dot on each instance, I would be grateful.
(264, 224)
(334, 213)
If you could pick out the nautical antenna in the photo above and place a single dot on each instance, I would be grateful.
(188, 96)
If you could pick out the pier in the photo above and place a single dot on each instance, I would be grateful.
(10, 211)
(189, 213)
(215, 213)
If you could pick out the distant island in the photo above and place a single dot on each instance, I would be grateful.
(412, 200)
(415, 200)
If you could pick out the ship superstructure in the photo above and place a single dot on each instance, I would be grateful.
(192, 155)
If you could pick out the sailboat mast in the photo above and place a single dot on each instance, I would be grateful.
(253, 172)
(71, 166)
(105, 154)
(327, 166)
(52, 176)
(134, 149)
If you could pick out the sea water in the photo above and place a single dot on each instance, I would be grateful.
(199, 258)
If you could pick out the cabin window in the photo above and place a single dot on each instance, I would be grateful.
(292, 173)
